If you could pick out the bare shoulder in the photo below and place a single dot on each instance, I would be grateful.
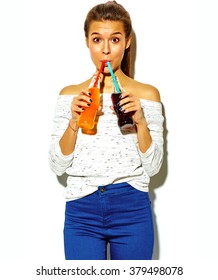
(150, 92)
(145, 91)
(74, 89)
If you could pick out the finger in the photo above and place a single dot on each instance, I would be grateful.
(85, 92)
(112, 108)
(84, 95)
(82, 100)
(124, 94)
(131, 106)
(126, 99)
(77, 109)
(78, 105)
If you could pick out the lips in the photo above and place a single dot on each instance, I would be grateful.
(105, 62)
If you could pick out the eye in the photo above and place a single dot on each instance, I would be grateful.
(115, 40)
(96, 40)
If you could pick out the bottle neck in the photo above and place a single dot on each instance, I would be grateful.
(94, 82)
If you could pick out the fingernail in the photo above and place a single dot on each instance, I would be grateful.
(89, 93)
(90, 100)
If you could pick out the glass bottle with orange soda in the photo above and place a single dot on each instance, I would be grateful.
(87, 117)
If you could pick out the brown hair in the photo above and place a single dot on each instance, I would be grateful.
(114, 12)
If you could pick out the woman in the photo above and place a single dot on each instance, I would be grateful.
(107, 198)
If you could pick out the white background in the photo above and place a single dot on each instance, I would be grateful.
(43, 49)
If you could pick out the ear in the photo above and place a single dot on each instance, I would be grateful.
(128, 42)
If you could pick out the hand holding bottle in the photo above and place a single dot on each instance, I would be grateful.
(79, 103)
(130, 104)
(90, 104)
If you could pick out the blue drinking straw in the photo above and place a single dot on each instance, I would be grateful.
(113, 78)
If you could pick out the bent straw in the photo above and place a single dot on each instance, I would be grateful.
(113, 78)
(98, 75)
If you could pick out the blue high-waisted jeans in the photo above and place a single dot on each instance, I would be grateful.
(118, 214)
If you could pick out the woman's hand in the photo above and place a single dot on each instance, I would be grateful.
(131, 104)
(79, 103)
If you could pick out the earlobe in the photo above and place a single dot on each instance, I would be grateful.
(128, 42)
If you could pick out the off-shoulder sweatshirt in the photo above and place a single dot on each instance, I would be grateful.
(109, 156)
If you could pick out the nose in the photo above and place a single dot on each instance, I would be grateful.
(106, 52)
(106, 48)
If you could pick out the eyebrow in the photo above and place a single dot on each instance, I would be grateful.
(115, 33)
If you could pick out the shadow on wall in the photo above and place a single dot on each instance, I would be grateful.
(156, 182)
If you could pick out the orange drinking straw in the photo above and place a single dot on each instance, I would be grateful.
(98, 75)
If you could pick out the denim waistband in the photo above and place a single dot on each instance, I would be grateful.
(114, 188)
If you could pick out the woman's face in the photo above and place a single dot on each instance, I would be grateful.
(107, 42)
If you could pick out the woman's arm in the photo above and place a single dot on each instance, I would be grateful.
(68, 140)
(149, 124)
(65, 130)
(131, 103)
(144, 136)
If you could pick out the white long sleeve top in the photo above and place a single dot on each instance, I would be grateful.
(109, 156)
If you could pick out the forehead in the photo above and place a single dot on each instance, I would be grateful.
(106, 27)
